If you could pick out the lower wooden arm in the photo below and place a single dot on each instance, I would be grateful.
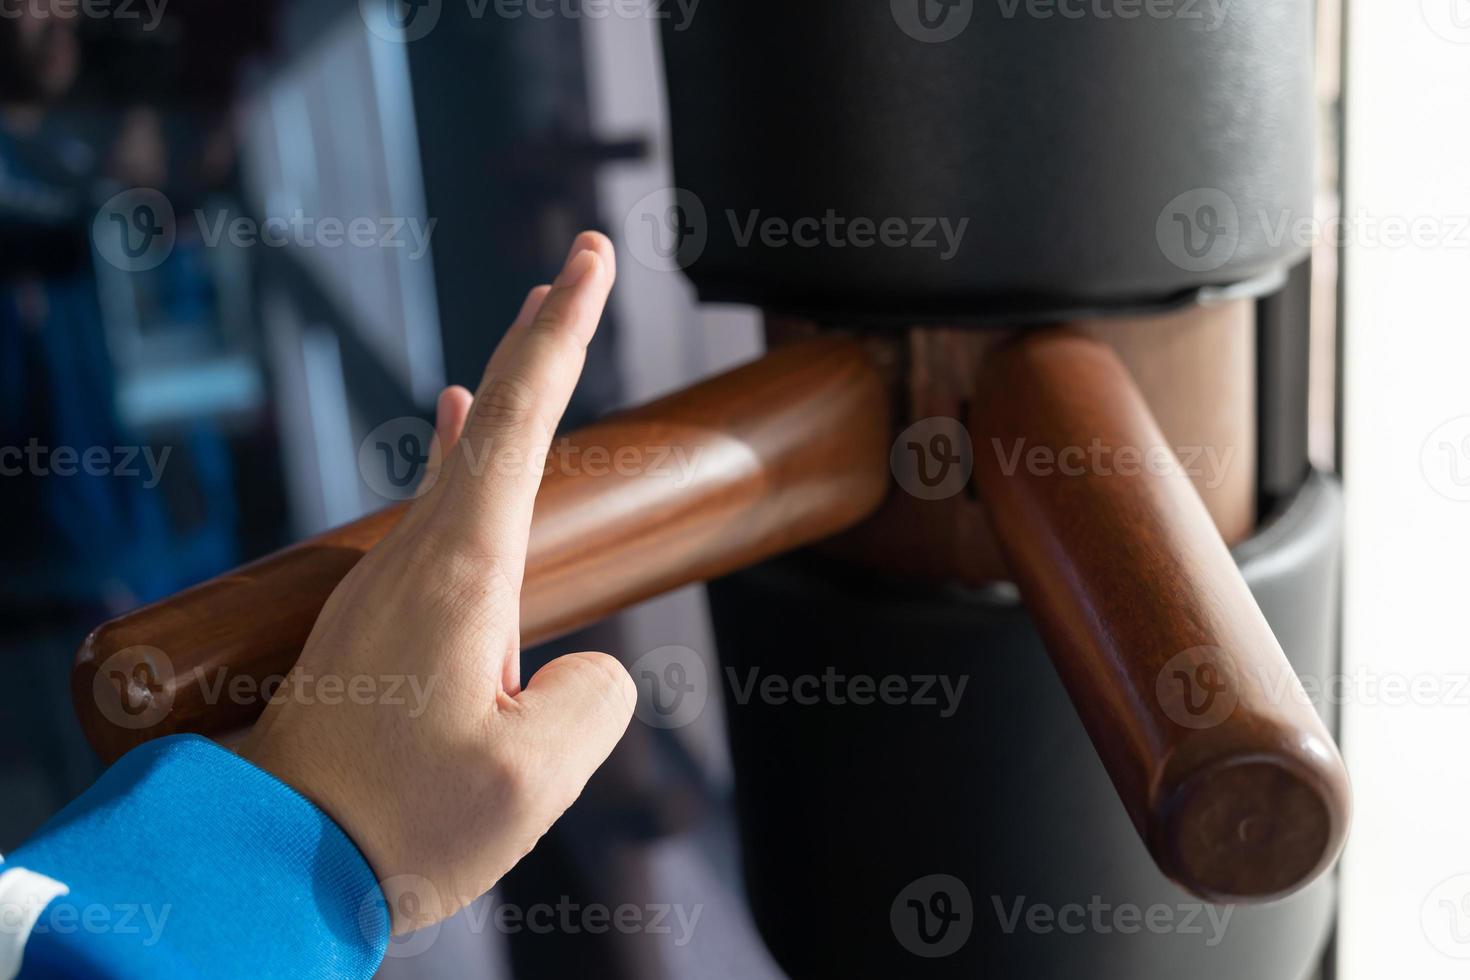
(1233, 782)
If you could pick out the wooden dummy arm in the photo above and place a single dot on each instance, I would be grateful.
(1222, 763)
(766, 458)
(1228, 773)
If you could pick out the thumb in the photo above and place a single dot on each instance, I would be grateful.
(572, 715)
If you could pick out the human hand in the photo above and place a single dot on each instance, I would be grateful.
(459, 794)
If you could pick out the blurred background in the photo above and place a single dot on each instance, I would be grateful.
(241, 243)
(235, 241)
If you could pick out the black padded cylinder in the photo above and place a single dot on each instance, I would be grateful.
(855, 817)
(1102, 154)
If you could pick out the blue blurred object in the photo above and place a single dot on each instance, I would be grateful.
(91, 538)
(102, 516)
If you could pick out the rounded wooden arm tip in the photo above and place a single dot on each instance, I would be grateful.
(99, 645)
(168, 667)
(1227, 771)
(119, 691)
(1251, 825)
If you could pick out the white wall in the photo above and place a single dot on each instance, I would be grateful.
(1406, 877)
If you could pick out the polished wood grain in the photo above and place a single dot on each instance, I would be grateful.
(1196, 368)
(755, 462)
(1226, 769)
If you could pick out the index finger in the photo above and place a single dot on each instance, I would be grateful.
(491, 483)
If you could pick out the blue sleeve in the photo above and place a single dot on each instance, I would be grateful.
(185, 860)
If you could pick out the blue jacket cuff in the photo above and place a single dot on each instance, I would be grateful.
(186, 860)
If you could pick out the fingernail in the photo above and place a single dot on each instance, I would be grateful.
(578, 268)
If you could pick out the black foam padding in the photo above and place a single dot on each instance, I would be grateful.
(1076, 148)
